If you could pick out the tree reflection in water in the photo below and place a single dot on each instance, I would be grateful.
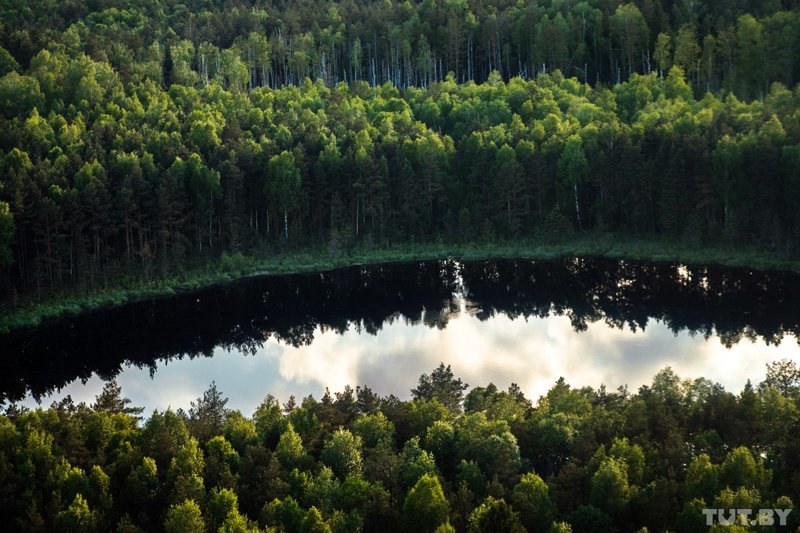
(733, 304)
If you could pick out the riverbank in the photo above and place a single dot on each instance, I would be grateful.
(31, 311)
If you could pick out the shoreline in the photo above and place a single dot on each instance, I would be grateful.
(33, 313)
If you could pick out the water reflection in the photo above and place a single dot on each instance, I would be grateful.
(496, 321)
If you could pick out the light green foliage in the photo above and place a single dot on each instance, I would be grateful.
(629, 28)
(632, 455)
(323, 489)
(687, 49)
(185, 474)
(491, 444)
(457, 472)
(702, 479)
(184, 517)
(740, 469)
(187, 460)
(676, 86)
(162, 435)
(71, 480)
(160, 139)
(222, 462)
(425, 413)
(7, 62)
(741, 498)
(313, 522)
(416, 463)
(99, 493)
(610, 489)
(238, 523)
(342, 453)
(663, 52)
(425, 507)
(77, 517)
(373, 429)
(141, 486)
(220, 505)
(439, 441)
(531, 499)
(239, 431)
(498, 405)
(283, 186)
(290, 451)
(268, 420)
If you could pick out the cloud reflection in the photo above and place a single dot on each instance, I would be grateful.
(532, 353)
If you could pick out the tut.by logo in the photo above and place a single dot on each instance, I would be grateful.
(763, 517)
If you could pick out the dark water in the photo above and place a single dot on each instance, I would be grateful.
(592, 321)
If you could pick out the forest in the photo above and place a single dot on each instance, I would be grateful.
(578, 459)
(137, 138)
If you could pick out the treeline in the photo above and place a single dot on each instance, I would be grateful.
(105, 173)
(101, 178)
(738, 45)
(576, 460)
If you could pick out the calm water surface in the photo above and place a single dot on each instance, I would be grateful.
(593, 321)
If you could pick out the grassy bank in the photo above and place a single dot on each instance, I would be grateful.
(31, 311)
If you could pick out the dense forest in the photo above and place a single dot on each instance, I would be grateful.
(140, 137)
(739, 45)
(488, 460)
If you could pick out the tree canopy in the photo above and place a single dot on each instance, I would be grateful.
(137, 140)
(576, 459)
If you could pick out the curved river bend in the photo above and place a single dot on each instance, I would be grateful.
(593, 321)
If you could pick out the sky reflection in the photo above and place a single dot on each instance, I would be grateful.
(534, 353)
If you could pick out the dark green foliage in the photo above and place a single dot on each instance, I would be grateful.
(111, 401)
(142, 140)
(783, 375)
(495, 515)
(441, 386)
(207, 414)
(285, 514)
(691, 518)
(613, 461)
(590, 519)
(6, 234)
